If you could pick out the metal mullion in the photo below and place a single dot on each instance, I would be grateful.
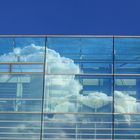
(59, 35)
(43, 94)
(113, 88)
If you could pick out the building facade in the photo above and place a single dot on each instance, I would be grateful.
(69, 88)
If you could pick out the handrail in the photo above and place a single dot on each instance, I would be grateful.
(70, 113)
(70, 134)
(11, 64)
(62, 121)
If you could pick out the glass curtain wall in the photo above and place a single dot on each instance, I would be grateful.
(21, 87)
(127, 88)
(69, 88)
(78, 89)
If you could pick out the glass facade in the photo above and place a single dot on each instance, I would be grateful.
(69, 88)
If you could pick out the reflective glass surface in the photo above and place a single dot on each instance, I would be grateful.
(69, 88)
(127, 88)
(21, 87)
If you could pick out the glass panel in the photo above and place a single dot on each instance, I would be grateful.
(127, 55)
(21, 92)
(29, 51)
(21, 88)
(6, 46)
(66, 93)
(26, 41)
(4, 68)
(78, 88)
(127, 105)
(127, 48)
(127, 126)
(73, 91)
(77, 126)
(38, 67)
(19, 126)
(127, 88)
(79, 55)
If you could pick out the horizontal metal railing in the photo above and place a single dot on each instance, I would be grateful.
(34, 138)
(62, 121)
(10, 70)
(21, 138)
(72, 35)
(70, 113)
(52, 99)
(60, 128)
(69, 134)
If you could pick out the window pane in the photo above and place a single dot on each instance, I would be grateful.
(126, 94)
(66, 93)
(6, 45)
(86, 90)
(77, 126)
(127, 55)
(82, 55)
(77, 89)
(21, 88)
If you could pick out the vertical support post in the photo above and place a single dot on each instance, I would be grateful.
(113, 88)
(43, 93)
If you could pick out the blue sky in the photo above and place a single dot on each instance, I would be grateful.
(100, 17)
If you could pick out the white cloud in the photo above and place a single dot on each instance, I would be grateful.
(95, 100)
(125, 104)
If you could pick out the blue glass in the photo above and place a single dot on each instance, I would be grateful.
(127, 88)
(77, 126)
(128, 85)
(21, 87)
(4, 68)
(27, 67)
(127, 129)
(6, 45)
(78, 93)
(92, 55)
(127, 48)
(127, 55)
(80, 89)
(26, 41)
(19, 126)
(82, 46)
(86, 93)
